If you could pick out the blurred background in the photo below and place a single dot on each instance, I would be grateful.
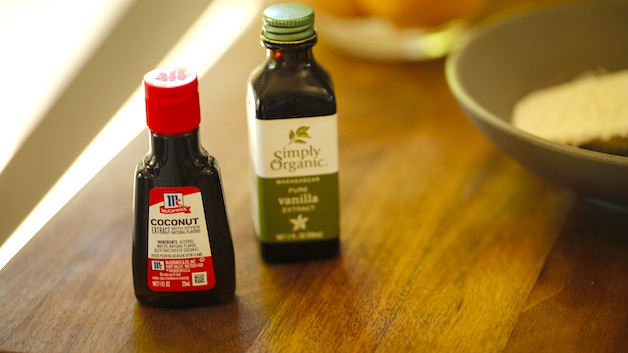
(72, 71)
(71, 95)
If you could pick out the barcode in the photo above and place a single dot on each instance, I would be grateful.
(199, 278)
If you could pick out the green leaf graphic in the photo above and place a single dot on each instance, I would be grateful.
(300, 134)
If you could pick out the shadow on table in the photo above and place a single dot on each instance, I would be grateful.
(187, 330)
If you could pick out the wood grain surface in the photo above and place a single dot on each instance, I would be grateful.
(447, 245)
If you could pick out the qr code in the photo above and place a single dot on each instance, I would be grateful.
(199, 279)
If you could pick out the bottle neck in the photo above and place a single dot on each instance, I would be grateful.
(182, 146)
(289, 54)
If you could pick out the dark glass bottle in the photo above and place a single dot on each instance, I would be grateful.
(182, 246)
(296, 211)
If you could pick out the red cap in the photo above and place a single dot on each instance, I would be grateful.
(172, 103)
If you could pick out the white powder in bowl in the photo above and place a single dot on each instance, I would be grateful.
(591, 107)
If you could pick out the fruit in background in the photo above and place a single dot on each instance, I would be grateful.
(338, 8)
(403, 13)
(420, 13)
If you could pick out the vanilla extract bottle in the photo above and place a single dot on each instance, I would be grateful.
(293, 140)
(182, 246)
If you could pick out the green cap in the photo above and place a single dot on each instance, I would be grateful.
(288, 23)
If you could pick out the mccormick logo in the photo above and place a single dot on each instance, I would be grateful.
(173, 203)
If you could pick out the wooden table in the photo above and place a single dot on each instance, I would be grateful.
(447, 245)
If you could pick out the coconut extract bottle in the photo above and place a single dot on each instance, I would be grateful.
(293, 142)
(182, 246)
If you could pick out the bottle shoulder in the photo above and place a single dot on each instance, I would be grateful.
(292, 91)
(176, 171)
(300, 75)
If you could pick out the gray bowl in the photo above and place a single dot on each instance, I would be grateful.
(504, 61)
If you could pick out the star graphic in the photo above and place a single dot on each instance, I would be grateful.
(299, 222)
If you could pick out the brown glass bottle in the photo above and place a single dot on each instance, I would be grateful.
(291, 84)
(191, 238)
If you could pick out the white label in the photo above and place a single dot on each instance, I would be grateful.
(179, 253)
(294, 146)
